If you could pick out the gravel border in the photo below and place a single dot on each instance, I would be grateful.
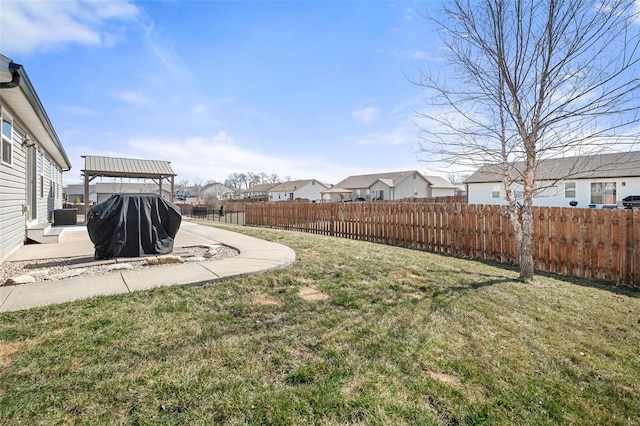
(21, 272)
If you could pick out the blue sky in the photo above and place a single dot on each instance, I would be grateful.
(306, 89)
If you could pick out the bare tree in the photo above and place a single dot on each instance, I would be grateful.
(197, 187)
(182, 188)
(253, 179)
(273, 178)
(457, 178)
(534, 80)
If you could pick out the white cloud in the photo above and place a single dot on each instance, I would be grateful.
(164, 49)
(408, 14)
(199, 109)
(27, 26)
(78, 110)
(215, 157)
(135, 98)
(366, 115)
(403, 134)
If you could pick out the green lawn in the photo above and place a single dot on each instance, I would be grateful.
(404, 337)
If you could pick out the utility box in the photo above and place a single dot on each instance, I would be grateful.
(65, 217)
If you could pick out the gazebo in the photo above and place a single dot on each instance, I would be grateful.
(155, 170)
(339, 191)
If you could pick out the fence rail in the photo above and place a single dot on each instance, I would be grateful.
(589, 243)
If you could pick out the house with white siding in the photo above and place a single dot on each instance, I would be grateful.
(595, 181)
(75, 193)
(105, 190)
(255, 192)
(391, 186)
(32, 160)
(307, 189)
(217, 191)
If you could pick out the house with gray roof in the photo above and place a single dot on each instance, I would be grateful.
(260, 191)
(307, 189)
(391, 186)
(601, 180)
(218, 191)
(32, 160)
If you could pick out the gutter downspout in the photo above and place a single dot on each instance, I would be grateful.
(15, 77)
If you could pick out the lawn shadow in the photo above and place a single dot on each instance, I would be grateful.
(599, 284)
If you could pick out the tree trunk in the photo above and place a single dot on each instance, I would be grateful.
(525, 255)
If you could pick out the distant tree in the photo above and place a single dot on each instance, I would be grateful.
(234, 181)
(253, 179)
(182, 188)
(263, 177)
(197, 187)
(210, 199)
(457, 178)
(243, 179)
(533, 80)
(273, 178)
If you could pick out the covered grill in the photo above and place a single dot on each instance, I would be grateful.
(133, 225)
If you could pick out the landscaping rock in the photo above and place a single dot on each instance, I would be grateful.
(66, 274)
(164, 260)
(118, 266)
(20, 279)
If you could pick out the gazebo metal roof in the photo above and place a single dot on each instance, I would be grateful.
(95, 166)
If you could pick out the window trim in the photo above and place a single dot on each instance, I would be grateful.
(6, 118)
(603, 192)
(495, 191)
(568, 191)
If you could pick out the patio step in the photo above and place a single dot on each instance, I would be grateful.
(42, 233)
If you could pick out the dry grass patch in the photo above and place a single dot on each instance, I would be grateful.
(312, 294)
(266, 300)
(447, 379)
(7, 352)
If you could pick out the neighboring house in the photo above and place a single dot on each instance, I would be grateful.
(32, 159)
(309, 189)
(104, 190)
(440, 187)
(217, 191)
(256, 191)
(73, 193)
(590, 181)
(391, 186)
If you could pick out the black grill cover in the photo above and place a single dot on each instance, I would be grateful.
(133, 225)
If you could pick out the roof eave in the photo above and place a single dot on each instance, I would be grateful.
(40, 125)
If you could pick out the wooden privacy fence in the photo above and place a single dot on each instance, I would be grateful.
(589, 243)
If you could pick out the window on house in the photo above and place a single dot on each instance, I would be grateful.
(603, 193)
(495, 192)
(570, 190)
(7, 140)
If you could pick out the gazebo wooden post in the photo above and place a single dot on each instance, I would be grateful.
(172, 187)
(86, 195)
